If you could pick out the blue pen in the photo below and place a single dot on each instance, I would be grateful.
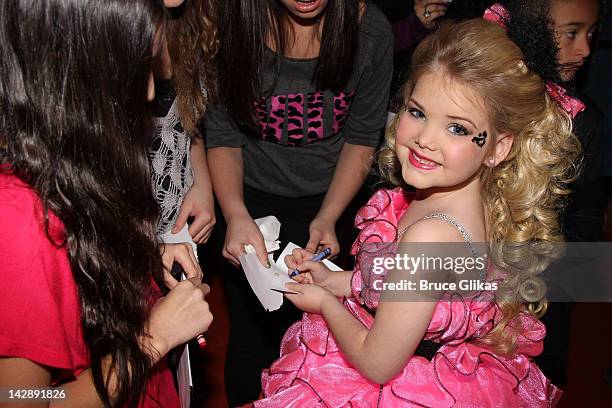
(317, 258)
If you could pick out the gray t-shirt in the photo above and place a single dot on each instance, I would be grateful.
(301, 130)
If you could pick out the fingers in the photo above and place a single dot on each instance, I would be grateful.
(181, 219)
(291, 262)
(329, 240)
(260, 249)
(205, 233)
(202, 287)
(230, 257)
(167, 262)
(169, 280)
(197, 226)
(202, 226)
(335, 248)
(184, 312)
(194, 259)
(292, 297)
(184, 256)
(232, 250)
(298, 255)
(312, 266)
(313, 243)
(243, 231)
(435, 11)
(293, 287)
(428, 11)
(303, 278)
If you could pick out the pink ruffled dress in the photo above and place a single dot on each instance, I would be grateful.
(313, 372)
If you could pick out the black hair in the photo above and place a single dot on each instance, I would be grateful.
(529, 27)
(244, 26)
(73, 81)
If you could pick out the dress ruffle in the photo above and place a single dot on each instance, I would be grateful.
(312, 371)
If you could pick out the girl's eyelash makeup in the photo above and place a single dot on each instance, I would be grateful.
(416, 113)
(461, 130)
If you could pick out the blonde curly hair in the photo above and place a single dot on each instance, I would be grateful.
(523, 194)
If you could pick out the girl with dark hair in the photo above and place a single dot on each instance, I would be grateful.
(181, 179)
(302, 98)
(80, 258)
(183, 81)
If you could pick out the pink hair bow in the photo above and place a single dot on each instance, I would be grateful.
(499, 15)
(569, 104)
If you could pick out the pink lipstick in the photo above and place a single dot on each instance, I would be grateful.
(421, 162)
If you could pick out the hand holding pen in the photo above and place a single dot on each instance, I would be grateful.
(177, 273)
(317, 258)
(179, 316)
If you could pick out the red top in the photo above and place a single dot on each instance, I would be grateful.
(39, 304)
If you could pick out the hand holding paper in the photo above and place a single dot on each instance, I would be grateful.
(241, 230)
(269, 283)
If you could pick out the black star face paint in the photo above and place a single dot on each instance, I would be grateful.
(480, 139)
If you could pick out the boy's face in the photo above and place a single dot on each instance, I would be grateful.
(575, 22)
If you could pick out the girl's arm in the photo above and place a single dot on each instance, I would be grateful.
(352, 168)
(226, 169)
(174, 320)
(380, 353)
(199, 201)
(362, 133)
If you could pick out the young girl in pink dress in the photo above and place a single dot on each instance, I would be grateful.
(488, 148)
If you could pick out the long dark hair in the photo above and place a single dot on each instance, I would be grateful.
(72, 110)
(244, 26)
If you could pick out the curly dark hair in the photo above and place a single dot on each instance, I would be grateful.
(72, 112)
(529, 27)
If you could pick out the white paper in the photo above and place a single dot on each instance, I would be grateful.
(268, 283)
(270, 230)
(184, 379)
(261, 281)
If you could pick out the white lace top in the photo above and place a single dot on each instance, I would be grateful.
(171, 160)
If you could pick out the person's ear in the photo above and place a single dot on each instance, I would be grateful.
(500, 150)
(151, 88)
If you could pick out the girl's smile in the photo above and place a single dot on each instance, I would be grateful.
(421, 162)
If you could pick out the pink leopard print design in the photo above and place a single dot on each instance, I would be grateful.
(342, 106)
(295, 118)
(301, 115)
(315, 117)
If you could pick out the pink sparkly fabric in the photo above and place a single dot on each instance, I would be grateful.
(312, 371)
